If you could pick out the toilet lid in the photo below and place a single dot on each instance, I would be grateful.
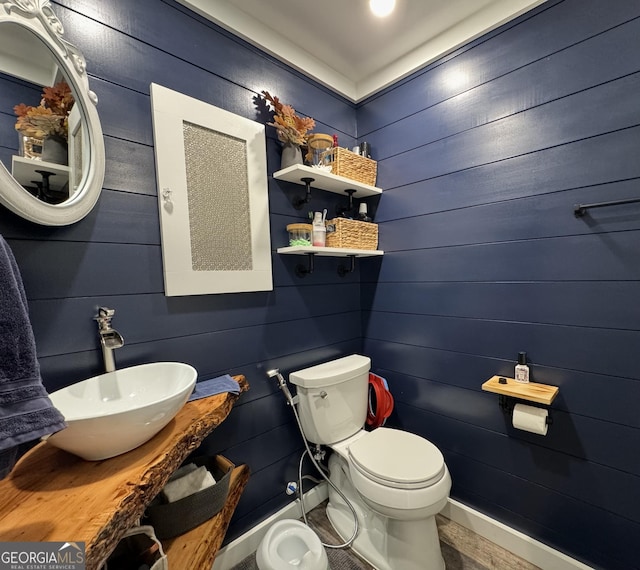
(397, 458)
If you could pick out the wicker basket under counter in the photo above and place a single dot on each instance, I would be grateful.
(351, 165)
(352, 234)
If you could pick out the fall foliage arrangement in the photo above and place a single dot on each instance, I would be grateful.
(51, 117)
(290, 127)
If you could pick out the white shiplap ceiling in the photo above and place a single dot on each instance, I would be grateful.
(345, 47)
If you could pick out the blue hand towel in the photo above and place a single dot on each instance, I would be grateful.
(215, 386)
(26, 412)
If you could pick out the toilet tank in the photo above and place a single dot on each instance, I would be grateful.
(333, 398)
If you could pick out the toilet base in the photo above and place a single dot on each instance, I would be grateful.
(386, 544)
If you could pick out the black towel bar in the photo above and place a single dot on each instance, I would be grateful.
(581, 209)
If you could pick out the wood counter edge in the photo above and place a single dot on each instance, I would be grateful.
(95, 502)
(154, 479)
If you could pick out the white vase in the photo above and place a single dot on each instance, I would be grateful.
(55, 149)
(291, 154)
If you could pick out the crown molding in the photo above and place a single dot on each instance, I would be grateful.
(477, 23)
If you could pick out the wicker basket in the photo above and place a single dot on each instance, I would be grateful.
(172, 519)
(351, 165)
(352, 234)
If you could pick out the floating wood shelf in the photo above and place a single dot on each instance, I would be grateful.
(328, 251)
(24, 171)
(311, 251)
(52, 495)
(324, 180)
(532, 391)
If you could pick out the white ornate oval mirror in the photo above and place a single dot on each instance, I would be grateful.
(55, 108)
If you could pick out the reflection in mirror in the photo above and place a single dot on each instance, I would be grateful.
(42, 164)
(51, 147)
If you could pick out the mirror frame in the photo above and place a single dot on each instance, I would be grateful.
(38, 17)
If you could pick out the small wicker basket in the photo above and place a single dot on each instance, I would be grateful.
(351, 165)
(353, 234)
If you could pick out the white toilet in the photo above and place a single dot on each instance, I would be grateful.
(291, 545)
(396, 481)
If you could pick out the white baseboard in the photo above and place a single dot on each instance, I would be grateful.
(510, 539)
(246, 544)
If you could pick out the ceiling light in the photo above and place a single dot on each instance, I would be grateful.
(382, 8)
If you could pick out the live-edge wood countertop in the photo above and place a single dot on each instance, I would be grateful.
(52, 495)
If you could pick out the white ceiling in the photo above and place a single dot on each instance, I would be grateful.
(345, 47)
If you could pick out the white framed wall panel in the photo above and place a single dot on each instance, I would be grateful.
(212, 197)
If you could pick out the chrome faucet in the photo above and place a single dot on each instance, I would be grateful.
(110, 339)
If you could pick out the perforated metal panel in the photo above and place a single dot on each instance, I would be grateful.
(213, 200)
(218, 197)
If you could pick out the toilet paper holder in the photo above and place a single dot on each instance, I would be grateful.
(510, 392)
(507, 403)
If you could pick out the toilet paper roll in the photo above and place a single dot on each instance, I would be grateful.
(530, 418)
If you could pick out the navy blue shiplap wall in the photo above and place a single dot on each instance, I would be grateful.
(113, 257)
(482, 157)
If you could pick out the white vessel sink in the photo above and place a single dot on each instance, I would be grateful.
(118, 411)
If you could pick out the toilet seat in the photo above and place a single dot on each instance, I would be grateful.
(397, 459)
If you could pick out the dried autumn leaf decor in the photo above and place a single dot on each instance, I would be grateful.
(50, 118)
(290, 127)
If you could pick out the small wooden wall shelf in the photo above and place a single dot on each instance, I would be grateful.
(328, 251)
(52, 495)
(24, 171)
(532, 391)
(326, 180)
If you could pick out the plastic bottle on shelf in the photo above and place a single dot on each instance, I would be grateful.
(319, 233)
(522, 370)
